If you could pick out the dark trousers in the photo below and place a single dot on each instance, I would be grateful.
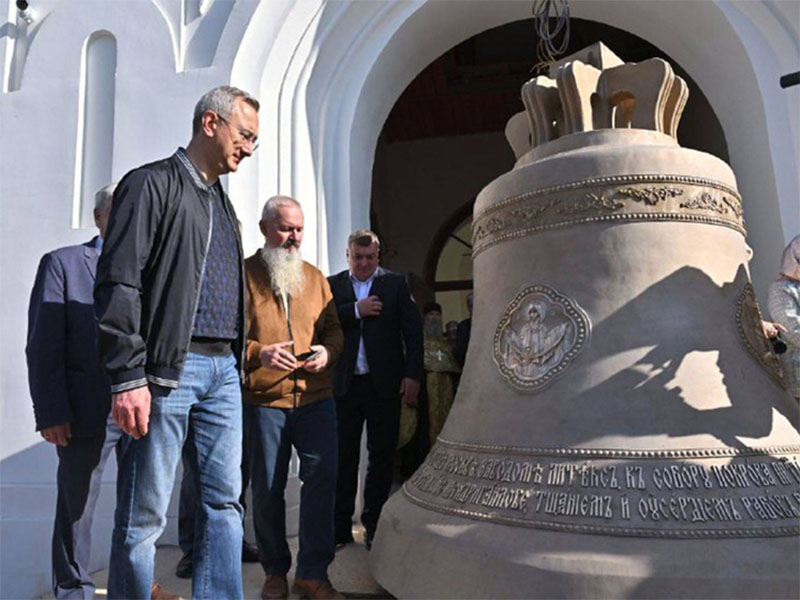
(187, 501)
(80, 470)
(311, 430)
(362, 403)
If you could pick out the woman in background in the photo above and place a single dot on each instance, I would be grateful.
(783, 304)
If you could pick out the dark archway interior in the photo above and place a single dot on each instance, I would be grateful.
(475, 86)
(443, 141)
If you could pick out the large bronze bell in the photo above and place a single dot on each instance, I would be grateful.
(620, 429)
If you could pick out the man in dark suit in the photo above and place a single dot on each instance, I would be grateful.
(462, 335)
(72, 398)
(381, 362)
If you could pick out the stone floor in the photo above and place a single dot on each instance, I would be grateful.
(349, 573)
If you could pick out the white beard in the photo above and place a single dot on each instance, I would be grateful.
(285, 268)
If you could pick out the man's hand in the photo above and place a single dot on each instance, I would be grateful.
(277, 356)
(409, 390)
(369, 307)
(319, 361)
(57, 434)
(131, 411)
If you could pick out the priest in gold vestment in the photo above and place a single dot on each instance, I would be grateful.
(441, 370)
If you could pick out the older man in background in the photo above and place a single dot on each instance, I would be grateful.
(293, 338)
(72, 398)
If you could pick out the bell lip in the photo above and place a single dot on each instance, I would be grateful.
(452, 556)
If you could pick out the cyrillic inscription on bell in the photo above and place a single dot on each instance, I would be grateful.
(620, 429)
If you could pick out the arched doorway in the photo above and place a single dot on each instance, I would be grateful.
(444, 140)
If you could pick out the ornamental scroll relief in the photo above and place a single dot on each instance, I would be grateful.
(539, 334)
(748, 322)
(614, 198)
(696, 496)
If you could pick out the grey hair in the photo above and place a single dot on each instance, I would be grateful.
(103, 196)
(221, 100)
(363, 238)
(271, 206)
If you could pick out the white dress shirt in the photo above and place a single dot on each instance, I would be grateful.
(361, 290)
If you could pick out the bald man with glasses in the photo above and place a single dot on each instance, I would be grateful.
(170, 303)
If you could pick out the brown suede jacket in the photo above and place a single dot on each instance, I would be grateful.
(313, 321)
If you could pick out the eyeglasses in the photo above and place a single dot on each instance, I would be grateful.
(247, 137)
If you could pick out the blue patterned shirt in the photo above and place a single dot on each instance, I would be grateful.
(218, 304)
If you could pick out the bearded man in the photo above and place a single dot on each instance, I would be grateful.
(293, 339)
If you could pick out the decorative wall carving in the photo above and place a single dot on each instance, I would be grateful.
(627, 198)
(748, 321)
(541, 331)
(196, 28)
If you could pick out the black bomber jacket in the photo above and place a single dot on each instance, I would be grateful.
(150, 272)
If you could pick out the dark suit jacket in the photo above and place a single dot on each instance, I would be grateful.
(392, 340)
(462, 340)
(64, 374)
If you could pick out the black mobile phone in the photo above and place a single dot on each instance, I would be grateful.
(307, 355)
(778, 345)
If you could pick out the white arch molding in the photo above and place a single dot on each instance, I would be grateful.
(335, 70)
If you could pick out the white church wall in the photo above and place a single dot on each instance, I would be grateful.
(328, 74)
(772, 31)
(259, 67)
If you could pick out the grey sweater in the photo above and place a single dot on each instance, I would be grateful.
(783, 304)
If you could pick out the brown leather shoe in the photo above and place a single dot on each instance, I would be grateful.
(317, 589)
(275, 588)
(159, 593)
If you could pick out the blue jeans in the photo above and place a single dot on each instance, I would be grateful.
(187, 503)
(311, 430)
(207, 403)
